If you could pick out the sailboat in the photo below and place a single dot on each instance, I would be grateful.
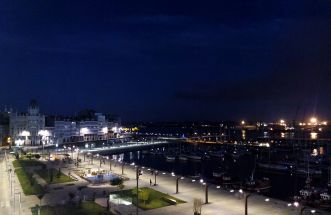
(259, 185)
(309, 195)
(325, 197)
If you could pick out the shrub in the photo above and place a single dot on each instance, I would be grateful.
(116, 181)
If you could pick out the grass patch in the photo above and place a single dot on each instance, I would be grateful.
(29, 186)
(86, 208)
(53, 176)
(28, 183)
(148, 198)
(27, 163)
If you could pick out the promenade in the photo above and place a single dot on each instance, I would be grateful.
(12, 199)
(220, 201)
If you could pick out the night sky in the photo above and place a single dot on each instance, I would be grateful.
(168, 60)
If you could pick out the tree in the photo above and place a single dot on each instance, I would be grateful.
(58, 175)
(144, 195)
(40, 197)
(50, 175)
(71, 196)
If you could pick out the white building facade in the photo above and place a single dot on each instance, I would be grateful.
(86, 130)
(25, 128)
(28, 129)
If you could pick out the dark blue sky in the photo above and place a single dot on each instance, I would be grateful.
(168, 60)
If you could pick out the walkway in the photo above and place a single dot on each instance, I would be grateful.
(220, 201)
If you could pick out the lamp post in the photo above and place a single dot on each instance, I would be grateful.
(247, 195)
(138, 173)
(206, 190)
(206, 193)
(155, 174)
(77, 157)
(177, 181)
(109, 163)
(100, 160)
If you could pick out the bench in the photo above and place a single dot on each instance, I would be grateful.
(170, 200)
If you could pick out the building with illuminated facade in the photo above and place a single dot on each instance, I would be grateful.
(28, 128)
(93, 129)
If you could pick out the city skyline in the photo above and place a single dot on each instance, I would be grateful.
(168, 61)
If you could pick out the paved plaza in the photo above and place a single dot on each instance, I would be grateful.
(220, 201)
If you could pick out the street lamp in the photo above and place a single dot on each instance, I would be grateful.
(138, 173)
(155, 174)
(109, 163)
(206, 190)
(247, 195)
(177, 179)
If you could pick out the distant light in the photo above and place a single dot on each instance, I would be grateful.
(267, 200)
(231, 191)
(105, 130)
(313, 120)
(218, 187)
(193, 180)
(241, 191)
(201, 180)
(164, 173)
(84, 131)
(25, 133)
(243, 122)
(313, 135)
(313, 211)
(289, 204)
(296, 204)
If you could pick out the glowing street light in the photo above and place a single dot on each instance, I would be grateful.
(243, 122)
(282, 122)
(105, 130)
(313, 120)
(84, 131)
(296, 204)
(313, 135)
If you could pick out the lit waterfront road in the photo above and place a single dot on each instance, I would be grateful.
(220, 201)
(4, 187)
(127, 146)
